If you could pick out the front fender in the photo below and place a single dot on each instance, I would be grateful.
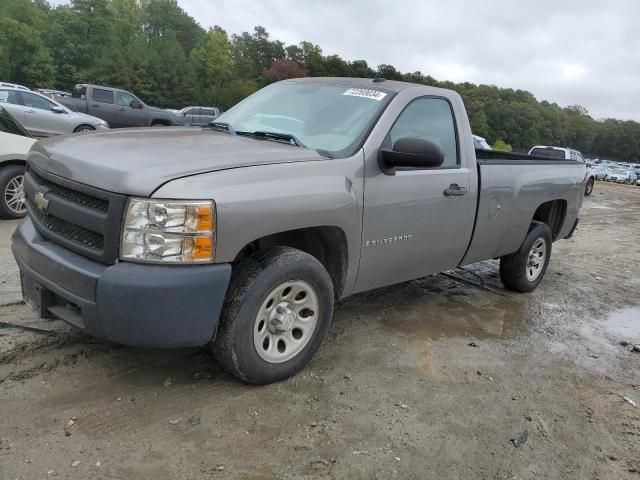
(254, 202)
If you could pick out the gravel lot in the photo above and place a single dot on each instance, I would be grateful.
(436, 378)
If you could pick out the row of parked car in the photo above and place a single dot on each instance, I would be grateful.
(26, 115)
(92, 107)
(618, 173)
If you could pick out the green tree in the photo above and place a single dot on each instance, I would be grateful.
(501, 146)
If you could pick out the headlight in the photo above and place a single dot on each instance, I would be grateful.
(169, 231)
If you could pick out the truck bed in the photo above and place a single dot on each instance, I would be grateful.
(513, 189)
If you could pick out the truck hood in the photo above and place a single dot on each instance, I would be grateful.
(138, 161)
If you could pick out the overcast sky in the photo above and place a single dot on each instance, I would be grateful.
(583, 52)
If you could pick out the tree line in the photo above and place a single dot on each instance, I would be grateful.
(156, 50)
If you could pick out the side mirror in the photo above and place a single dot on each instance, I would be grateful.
(136, 104)
(57, 109)
(412, 153)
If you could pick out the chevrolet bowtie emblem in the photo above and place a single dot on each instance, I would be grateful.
(41, 202)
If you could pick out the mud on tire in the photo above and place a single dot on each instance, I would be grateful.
(247, 312)
(523, 270)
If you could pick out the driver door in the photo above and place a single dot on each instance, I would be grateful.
(39, 118)
(126, 115)
(416, 221)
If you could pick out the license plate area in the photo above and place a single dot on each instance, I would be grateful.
(36, 296)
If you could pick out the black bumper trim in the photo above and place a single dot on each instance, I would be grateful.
(127, 303)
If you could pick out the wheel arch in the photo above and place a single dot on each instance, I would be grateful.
(328, 244)
(15, 161)
(553, 214)
(77, 129)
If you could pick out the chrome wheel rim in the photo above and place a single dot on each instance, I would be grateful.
(286, 321)
(14, 195)
(536, 260)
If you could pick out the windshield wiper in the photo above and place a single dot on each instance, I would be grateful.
(277, 136)
(325, 153)
(222, 127)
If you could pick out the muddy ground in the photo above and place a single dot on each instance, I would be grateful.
(397, 391)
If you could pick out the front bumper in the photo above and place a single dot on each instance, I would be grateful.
(127, 303)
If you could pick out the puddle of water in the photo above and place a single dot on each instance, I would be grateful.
(604, 334)
(455, 317)
(624, 323)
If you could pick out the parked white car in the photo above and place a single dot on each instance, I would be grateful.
(14, 85)
(15, 142)
(623, 175)
(44, 117)
(601, 172)
(567, 154)
(481, 143)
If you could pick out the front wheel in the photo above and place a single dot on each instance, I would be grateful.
(84, 128)
(277, 312)
(523, 270)
(12, 200)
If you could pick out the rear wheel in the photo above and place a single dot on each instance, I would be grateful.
(277, 312)
(12, 200)
(523, 270)
(588, 189)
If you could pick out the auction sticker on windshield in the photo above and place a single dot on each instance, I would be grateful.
(365, 93)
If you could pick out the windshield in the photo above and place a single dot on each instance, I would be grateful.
(323, 117)
(8, 124)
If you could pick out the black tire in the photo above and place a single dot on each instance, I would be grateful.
(588, 189)
(8, 176)
(252, 282)
(513, 267)
(84, 128)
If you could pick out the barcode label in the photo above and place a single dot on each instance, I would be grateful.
(365, 93)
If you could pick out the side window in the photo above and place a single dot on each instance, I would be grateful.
(189, 111)
(580, 158)
(209, 112)
(124, 99)
(574, 156)
(430, 119)
(102, 96)
(9, 96)
(36, 101)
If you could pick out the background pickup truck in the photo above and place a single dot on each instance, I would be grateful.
(241, 235)
(117, 107)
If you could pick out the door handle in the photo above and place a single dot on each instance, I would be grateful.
(95, 105)
(30, 111)
(121, 109)
(454, 190)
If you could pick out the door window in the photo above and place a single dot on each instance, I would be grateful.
(124, 99)
(102, 96)
(209, 112)
(429, 119)
(9, 96)
(36, 101)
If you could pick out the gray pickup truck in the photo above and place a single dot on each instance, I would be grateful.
(241, 235)
(117, 107)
